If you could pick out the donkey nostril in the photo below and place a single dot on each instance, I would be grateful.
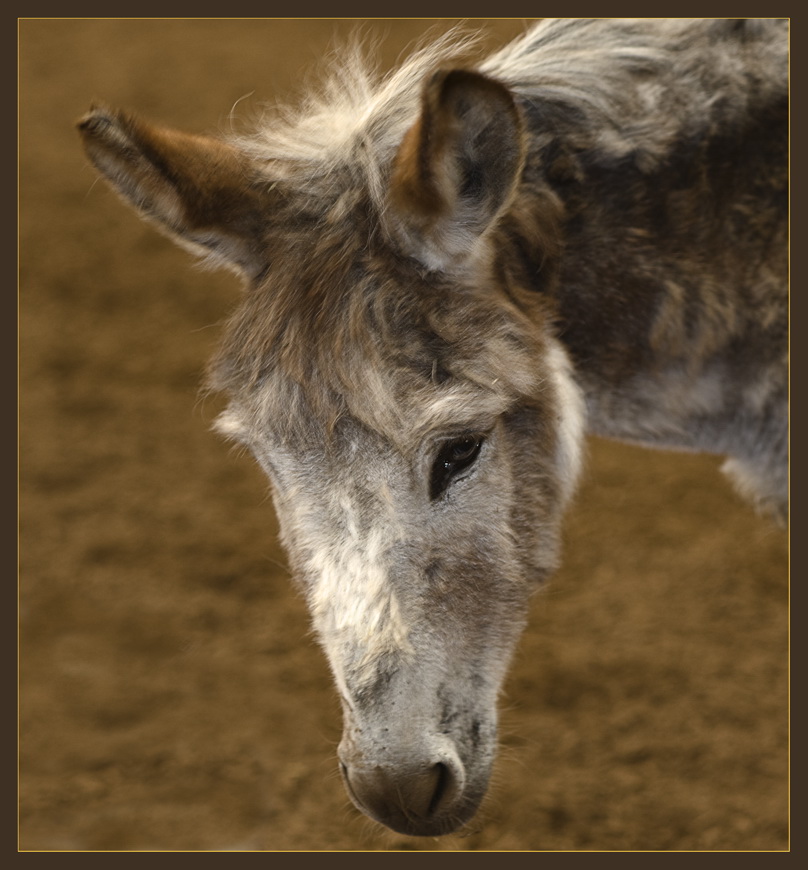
(421, 794)
(429, 793)
(443, 779)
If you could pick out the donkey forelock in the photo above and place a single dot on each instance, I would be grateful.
(342, 324)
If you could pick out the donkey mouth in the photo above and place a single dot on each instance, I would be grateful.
(426, 802)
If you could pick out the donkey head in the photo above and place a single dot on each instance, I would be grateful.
(398, 382)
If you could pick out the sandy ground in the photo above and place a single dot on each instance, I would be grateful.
(172, 695)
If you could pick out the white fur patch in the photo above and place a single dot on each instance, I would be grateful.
(573, 418)
(230, 425)
(354, 608)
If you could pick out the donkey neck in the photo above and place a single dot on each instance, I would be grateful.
(671, 284)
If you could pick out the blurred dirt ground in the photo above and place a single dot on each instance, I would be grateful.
(172, 697)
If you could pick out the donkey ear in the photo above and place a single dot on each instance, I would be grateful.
(457, 167)
(196, 188)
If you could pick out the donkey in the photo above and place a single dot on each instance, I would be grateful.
(453, 273)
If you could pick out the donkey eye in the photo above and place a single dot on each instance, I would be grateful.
(452, 458)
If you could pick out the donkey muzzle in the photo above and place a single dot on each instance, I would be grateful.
(421, 794)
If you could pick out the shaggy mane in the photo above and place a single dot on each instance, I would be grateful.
(355, 119)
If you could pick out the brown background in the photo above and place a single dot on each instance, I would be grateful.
(172, 696)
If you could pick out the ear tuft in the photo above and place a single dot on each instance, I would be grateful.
(457, 167)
